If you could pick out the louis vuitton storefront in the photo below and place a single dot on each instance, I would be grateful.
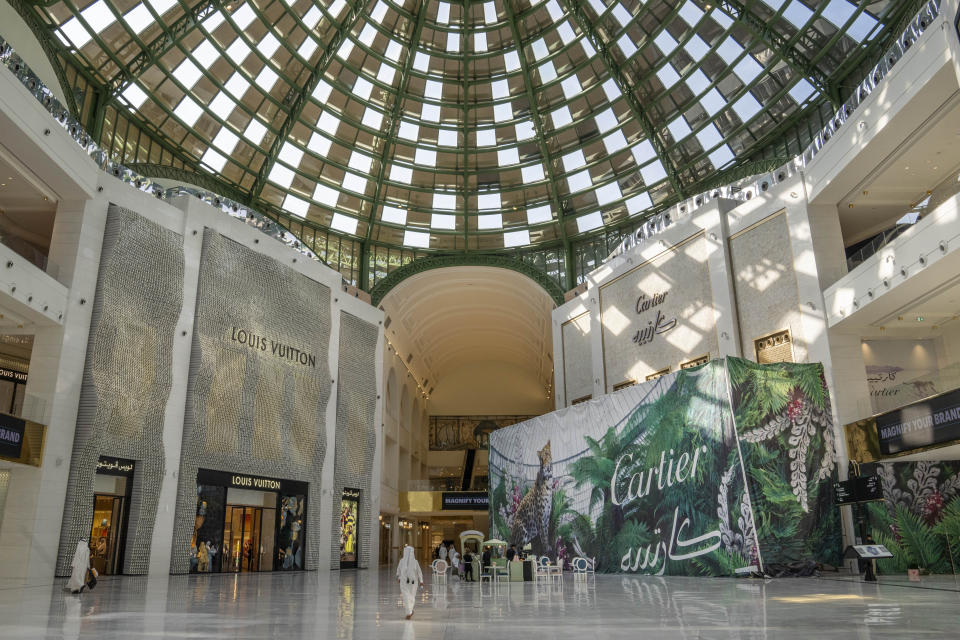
(247, 523)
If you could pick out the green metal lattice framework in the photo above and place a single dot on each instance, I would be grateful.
(555, 126)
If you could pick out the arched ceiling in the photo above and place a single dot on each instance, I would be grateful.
(451, 318)
(469, 125)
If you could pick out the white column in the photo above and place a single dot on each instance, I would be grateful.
(714, 219)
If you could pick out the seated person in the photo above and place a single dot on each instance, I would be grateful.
(468, 565)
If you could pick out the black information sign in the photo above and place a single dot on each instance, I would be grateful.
(11, 435)
(862, 489)
(247, 481)
(11, 375)
(921, 424)
(465, 500)
(351, 494)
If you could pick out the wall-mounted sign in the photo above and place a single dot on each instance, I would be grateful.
(115, 466)
(13, 376)
(11, 435)
(657, 322)
(861, 489)
(465, 500)
(922, 424)
(248, 481)
(351, 494)
(269, 345)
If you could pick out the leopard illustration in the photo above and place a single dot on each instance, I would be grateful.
(531, 523)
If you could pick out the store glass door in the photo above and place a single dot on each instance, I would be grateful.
(105, 538)
(241, 539)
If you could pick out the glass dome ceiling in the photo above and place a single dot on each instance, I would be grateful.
(472, 125)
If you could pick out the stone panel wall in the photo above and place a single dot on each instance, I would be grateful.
(577, 358)
(127, 378)
(356, 432)
(256, 401)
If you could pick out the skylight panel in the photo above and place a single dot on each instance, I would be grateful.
(268, 46)
(162, 6)
(547, 72)
(336, 7)
(798, 14)
(486, 137)
(608, 193)
(611, 90)
(296, 206)
(430, 113)
(326, 195)
(838, 12)
(255, 132)
(421, 61)
(346, 48)
(653, 173)
(188, 111)
(355, 183)
(444, 201)
(539, 215)
(553, 8)
(639, 203)
(579, 181)
(698, 82)
(571, 87)
(747, 107)
(490, 200)
(417, 239)
(589, 222)
(679, 128)
(281, 175)
(748, 69)
(343, 223)
(691, 13)
(443, 13)
(574, 160)
(643, 152)
(508, 156)
(696, 48)
(490, 221)
(394, 49)
(379, 11)
(561, 117)
(425, 157)
(615, 142)
(447, 138)
(729, 50)
(532, 173)
(502, 112)
(386, 74)
(565, 31)
(525, 130)
(214, 20)
(187, 73)
(713, 101)
(489, 13)
(222, 106)
(328, 123)
(861, 27)
(433, 90)
(226, 140)
(588, 49)
(243, 16)
(540, 49)
(443, 221)
(134, 95)
(665, 42)
(500, 89)
(511, 61)
(516, 238)
(399, 173)
(453, 42)
(801, 91)
(215, 161)
(598, 7)
(372, 118)
(721, 157)
(409, 131)
(99, 16)
(367, 34)
(668, 75)
(238, 51)
(626, 45)
(322, 93)
(73, 31)
(709, 137)
(313, 16)
(266, 79)
(621, 14)
(360, 161)
(138, 18)
(480, 42)
(362, 89)
(307, 48)
(319, 144)
(394, 215)
(206, 54)
(721, 19)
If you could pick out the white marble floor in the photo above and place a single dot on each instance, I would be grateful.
(365, 605)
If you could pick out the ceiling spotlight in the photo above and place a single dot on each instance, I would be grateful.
(919, 318)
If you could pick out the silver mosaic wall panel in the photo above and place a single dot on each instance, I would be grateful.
(127, 378)
(356, 431)
(259, 381)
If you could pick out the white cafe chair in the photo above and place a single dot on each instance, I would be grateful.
(440, 571)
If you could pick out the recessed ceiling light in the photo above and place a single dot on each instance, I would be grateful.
(919, 318)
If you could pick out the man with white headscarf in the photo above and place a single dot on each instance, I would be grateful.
(80, 564)
(409, 576)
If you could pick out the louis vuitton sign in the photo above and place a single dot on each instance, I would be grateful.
(275, 348)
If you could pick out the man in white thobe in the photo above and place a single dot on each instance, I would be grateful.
(80, 564)
(410, 577)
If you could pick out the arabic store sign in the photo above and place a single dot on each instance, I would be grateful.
(656, 322)
(115, 466)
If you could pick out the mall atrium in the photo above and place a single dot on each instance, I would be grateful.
(575, 301)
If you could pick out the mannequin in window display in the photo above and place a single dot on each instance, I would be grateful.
(212, 554)
(203, 558)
